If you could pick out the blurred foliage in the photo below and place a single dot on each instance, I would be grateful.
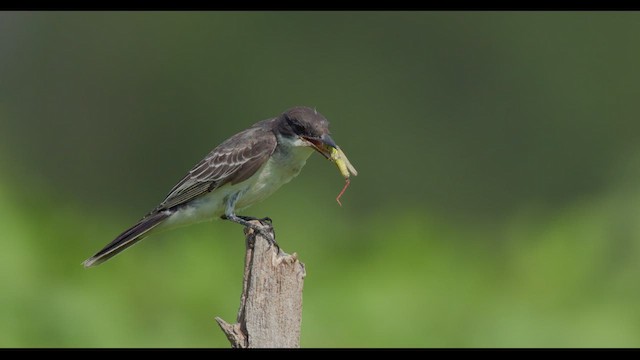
(496, 206)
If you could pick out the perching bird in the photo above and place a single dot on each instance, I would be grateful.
(244, 169)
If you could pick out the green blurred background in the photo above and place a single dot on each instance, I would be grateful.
(496, 206)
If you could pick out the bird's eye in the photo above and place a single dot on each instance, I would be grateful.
(297, 127)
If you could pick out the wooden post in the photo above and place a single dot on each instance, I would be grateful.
(270, 312)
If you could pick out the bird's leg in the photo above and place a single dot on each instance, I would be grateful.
(229, 214)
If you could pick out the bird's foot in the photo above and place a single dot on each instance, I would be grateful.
(262, 220)
(265, 228)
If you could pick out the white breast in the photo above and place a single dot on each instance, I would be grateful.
(282, 166)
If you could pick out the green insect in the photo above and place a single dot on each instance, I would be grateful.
(345, 168)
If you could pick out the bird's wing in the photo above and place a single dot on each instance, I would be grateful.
(233, 161)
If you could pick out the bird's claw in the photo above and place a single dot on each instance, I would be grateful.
(266, 230)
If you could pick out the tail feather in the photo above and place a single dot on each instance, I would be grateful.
(129, 237)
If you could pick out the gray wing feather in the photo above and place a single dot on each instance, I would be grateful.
(233, 161)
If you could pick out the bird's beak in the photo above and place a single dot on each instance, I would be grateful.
(328, 148)
(323, 144)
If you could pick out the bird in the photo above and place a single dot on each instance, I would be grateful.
(241, 171)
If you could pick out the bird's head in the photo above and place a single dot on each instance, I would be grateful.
(304, 126)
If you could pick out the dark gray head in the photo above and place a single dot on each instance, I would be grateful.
(307, 125)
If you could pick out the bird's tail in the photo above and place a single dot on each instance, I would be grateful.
(129, 237)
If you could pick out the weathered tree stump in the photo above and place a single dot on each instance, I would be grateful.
(270, 311)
